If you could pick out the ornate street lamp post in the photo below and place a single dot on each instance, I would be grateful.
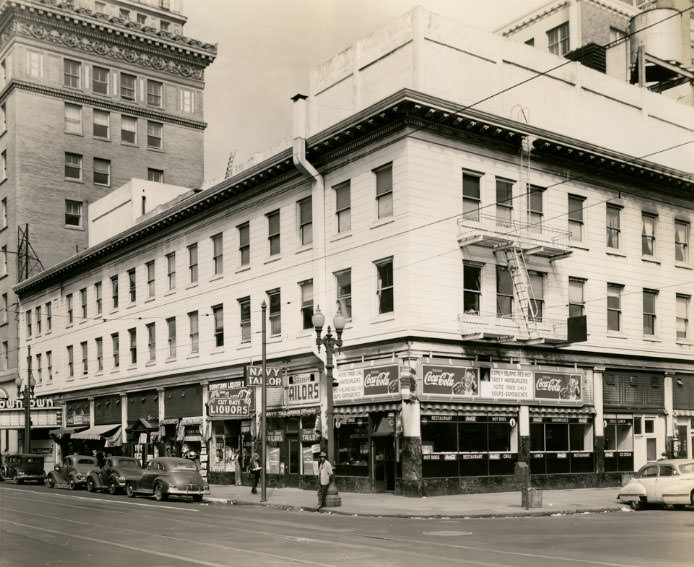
(330, 343)
(25, 394)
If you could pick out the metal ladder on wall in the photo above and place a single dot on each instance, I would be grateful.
(522, 289)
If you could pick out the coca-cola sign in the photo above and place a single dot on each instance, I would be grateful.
(380, 380)
(553, 386)
(450, 380)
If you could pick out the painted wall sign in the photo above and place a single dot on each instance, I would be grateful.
(254, 376)
(350, 384)
(555, 386)
(508, 384)
(35, 403)
(380, 380)
(451, 380)
(225, 401)
(302, 389)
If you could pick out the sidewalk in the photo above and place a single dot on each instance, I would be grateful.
(497, 504)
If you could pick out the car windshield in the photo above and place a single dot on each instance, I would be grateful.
(30, 460)
(126, 462)
(687, 468)
(182, 466)
(85, 462)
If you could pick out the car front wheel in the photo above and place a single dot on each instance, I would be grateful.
(159, 493)
(112, 488)
(129, 490)
(91, 487)
(50, 481)
(638, 504)
(73, 484)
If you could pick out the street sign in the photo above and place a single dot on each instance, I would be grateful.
(254, 376)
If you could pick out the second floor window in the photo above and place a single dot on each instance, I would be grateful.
(576, 218)
(245, 316)
(193, 332)
(150, 278)
(682, 241)
(244, 244)
(114, 292)
(171, 328)
(132, 285)
(504, 292)
(72, 73)
(471, 196)
(558, 39)
(70, 361)
(99, 342)
(648, 223)
(73, 213)
(127, 86)
(613, 226)
(576, 300)
(537, 288)
(384, 272)
(115, 344)
(472, 288)
(504, 202)
(100, 80)
(682, 323)
(154, 93)
(102, 171)
(343, 206)
(344, 292)
(171, 270)
(85, 357)
(218, 253)
(275, 312)
(614, 307)
(101, 124)
(305, 221)
(649, 300)
(384, 191)
(152, 341)
(307, 304)
(132, 333)
(218, 316)
(273, 232)
(193, 263)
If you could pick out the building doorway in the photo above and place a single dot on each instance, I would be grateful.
(384, 462)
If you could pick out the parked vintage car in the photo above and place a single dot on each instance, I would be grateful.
(669, 481)
(73, 472)
(113, 476)
(22, 467)
(169, 476)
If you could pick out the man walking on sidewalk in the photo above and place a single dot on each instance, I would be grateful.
(255, 468)
(325, 473)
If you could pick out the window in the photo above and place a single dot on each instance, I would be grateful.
(3, 213)
(102, 171)
(3, 73)
(3, 115)
(125, 14)
(504, 202)
(384, 271)
(171, 328)
(83, 302)
(682, 322)
(132, 285)
(49, 317)
(132, 333)
(275, 312)
(577, 303)
(99, 343)
(4, 311)
(187, 101)
(682, 241)
(70, 362)
(384, 190)
(614, 307)
(154, 92)
(34, 64)
(344, 292)
(37, 310)
(305, 221)
(193, 263)
(5, 355)
(100, 80)
(151, 342)
(114, 292)
(218, 253)
(504, 292)
(649, 298)
(71, 73)
(307, 304)
(472, 288)
(49, 365)
(273, 232)
(73, 166)
(3, 165)
(115, 345)
(141, 19)
(535, 209)
(218, 316)
(245, 315)
(3, 260)
(471, 196)
(73, 118)
(73, 213)
(39, 368)
(150, 278)
(156, 175)
(244, 244)
(343, 206)
(98, 298)
(127, 86)
(576, 218)
(193, 332)
(128, 130)
(648, 223)
(154, 135)
(171, 270)
(558, 39)
(101, 126)
(28, 316)
(537, 294)
(613, 227)
(68, 308)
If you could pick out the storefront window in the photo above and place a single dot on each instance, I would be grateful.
(561, 445)
(352, 446)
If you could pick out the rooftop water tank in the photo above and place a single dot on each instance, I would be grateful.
(660, 34)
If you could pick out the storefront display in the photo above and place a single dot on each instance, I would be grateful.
(560, 445)
(619, 443)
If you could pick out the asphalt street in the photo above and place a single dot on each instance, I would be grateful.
(40, 526)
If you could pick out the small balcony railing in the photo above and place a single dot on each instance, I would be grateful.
(510, 329)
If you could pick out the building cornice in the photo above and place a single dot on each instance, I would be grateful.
(34, 20)
(101, 103)
(404, 108)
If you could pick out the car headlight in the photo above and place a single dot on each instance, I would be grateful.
(78, 476)
(21, 473)
(121, 479)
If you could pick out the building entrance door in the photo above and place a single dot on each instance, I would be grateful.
(383, 443)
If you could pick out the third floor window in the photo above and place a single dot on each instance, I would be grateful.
(273, 232)
(218, 253)
(682, 241)
(72, 71)
(648, 224)
(127, 86)
(613, 226)
(384, 191)
(471, 196)
(100, 80)
(343, 206)
(154, 93)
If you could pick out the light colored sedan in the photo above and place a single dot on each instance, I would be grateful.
(670, 481)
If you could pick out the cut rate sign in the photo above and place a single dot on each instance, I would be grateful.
(230, 402)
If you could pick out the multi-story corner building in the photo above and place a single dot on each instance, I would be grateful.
(93, 93)
(460, 240)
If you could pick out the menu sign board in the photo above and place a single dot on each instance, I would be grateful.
(226, 400)
(380, 380)
(508, 384)
(450, 380)
(350, 384)
(555, 386)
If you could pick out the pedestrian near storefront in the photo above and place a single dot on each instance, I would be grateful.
(325, 474)
(255, 468)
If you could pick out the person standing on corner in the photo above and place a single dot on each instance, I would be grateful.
(325, 473)
(255, 468)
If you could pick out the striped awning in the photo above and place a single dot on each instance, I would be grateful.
(363, 410)
(65, 431)
(97, 432)
(563, 411)
(683, 413)
(447, 408)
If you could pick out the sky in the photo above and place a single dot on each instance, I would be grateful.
(266, 49)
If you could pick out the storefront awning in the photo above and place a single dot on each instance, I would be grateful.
(364, 410)
(115, 439)
(683, 413)
(65, 431)
(550, 411)
(444, 408)
(291, 412)
(141, 424)
(169, 421)
(191, 420)
(97, 432)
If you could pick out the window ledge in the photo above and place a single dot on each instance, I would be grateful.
(580, 247)
(341, 236)
(274, 339)
(683, 342)
(272, 259)
(99, 373)
(83, 321)
(683, 266)
(217, 350)
(193, 355)
(382, 222)
(614, 335)
(73, 180)
(170, 292)
(3, 228)
(650, 339)
(128, 144)
(192, 285)
(115, 371)
(217, 277)
(304, 249)
(132, 367)
(245, 346)
(113, 311)
(170, 359)
(383, 318)
(150, 299)
(132, 305)
(73, 227)
(650, 260)
(614, 252)
(242, 269)
(150, 363)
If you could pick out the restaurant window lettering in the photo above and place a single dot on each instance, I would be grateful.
(560, 445)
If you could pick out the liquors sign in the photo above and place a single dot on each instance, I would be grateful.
(229, 401)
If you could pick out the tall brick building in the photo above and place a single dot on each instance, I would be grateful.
(93, 94)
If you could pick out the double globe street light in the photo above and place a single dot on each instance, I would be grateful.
(331, 343)
(25, 394)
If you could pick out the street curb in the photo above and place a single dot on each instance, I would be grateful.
(337, 512)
